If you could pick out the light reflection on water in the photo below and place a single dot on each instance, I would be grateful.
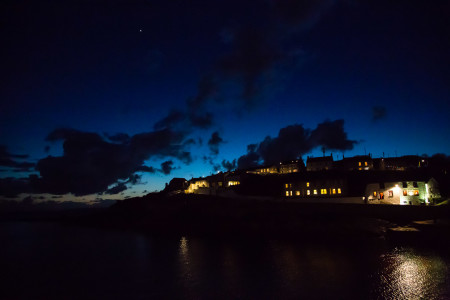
(407, 274)
(124, 265)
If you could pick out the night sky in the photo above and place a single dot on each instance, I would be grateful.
(111, 99)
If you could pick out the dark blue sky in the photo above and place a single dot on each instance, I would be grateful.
(190, 84)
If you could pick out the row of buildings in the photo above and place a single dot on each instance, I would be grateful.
(361, 162)
(358, 179)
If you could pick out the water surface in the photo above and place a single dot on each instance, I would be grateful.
(52, 261)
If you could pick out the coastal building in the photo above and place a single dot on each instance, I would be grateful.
(291, 166)
(319, 163)
(359, 162)
(403, 163)
(418, 192)
(264, 170)
(316, 185)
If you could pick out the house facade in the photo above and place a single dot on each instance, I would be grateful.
(319, 163)
(422, 192)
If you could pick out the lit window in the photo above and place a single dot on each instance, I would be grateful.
(339, 190)
(290, 185)
(375, 194)
(287, 185)
(290, 193)
(405, 193)
(334, 191)
(297, 193)
(365, 163)
(416, 193)
(315, 192)
(323, 191)
(307, 184)
(308, 192)
(359, 163)
(391, 194)
(287, 193)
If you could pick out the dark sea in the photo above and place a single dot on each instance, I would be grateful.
(53, 261)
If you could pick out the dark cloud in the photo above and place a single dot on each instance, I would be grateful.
(118, 137)
(207, 89)
(118, 188)
(9, 160)
(378, 113)
(229, 165)
(293, 141)
(251, 159)
(300, 14)
(134, 179)
(255, 56)
(332, 136)
(145, 169)
(90, 164)
(11, 187)
(174, 117)
(167, 167)
(214, 142)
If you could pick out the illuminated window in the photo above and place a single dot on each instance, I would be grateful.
(307, 184)
(323, 191)
(315, 192)
(308, 192)
(375, 194)
(339, 190)
(405, 193)
(287, 193)
(416, 193)
(381, 195)
(359, 163)
(290, 193)
(391, 194)
(297, 193)
(334, 191)
(365, 163)
(290, 185)
(287, 185)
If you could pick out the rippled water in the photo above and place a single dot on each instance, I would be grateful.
(50, 261)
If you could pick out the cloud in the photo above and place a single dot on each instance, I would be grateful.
(167, 167)
(378, 113)
(332, 136)
(214, 142)
(118, 137)
(256, 57)
(120, 187)
(229, 165)
(10, 160)
(293, 141)
(90, 164)
(146, 169)
(11, 187)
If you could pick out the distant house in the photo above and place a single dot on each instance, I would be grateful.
(316, 184)
(176, 186)
(264, 170)
(291, 166)
(360, 162)
(284, 167)
(403, 163)
(319, 163)
(198, 186)
(409, 191)
(372, 187)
